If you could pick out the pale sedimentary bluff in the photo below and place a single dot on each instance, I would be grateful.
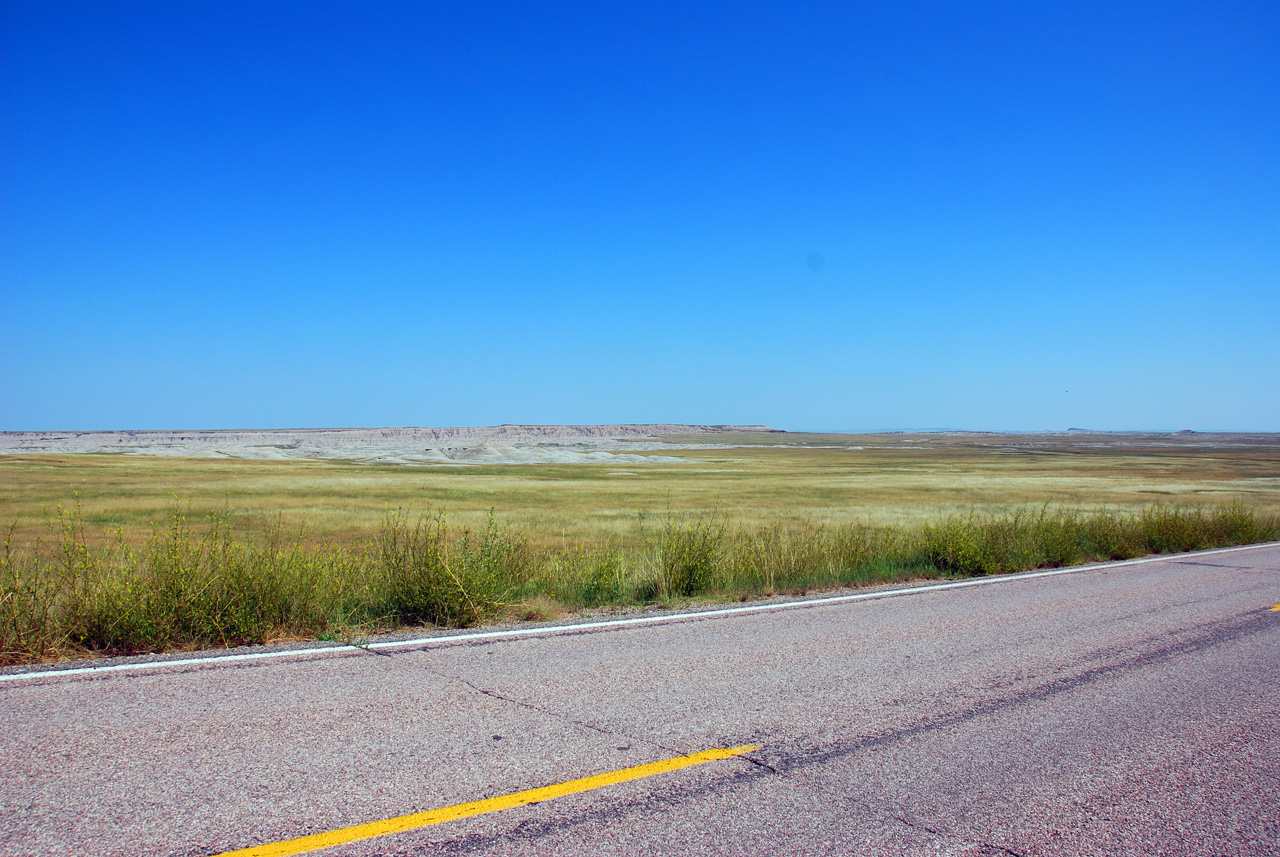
(507, 444)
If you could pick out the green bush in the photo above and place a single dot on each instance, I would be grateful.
(690, 553)
(586, 577)
(431, 576)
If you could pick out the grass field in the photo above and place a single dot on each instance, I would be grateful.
(891, 479)
(114, 554)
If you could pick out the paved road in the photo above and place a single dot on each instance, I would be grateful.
(1131, 710)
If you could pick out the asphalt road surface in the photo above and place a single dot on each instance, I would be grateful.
(1123, 710)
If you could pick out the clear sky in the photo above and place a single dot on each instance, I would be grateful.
(816, 216)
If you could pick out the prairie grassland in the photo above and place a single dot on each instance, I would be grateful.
(814, 479)
(107, 554)
(197, 586)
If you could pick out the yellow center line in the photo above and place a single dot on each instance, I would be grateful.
(402, 823)
(1276, 609)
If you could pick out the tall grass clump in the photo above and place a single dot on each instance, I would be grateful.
(1020, 540)
(189, 586)
(429, 575)
(795, 557)
(586, 576)
(195, 583)
(689, 553)
(181, 588)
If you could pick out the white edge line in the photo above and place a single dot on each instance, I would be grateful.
(553, 630)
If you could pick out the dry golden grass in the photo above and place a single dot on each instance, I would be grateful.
(308, 549)
(899, 479)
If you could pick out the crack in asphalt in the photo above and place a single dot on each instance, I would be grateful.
(493, 694)
(941, 834)
(1211, 635)
(530, 831)
(1119, 654)
(1244, 625)
(938, 832)
(770, 768)
(1213, 565)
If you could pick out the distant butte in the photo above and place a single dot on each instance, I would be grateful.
(504, 444)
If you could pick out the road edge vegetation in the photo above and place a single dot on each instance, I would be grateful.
(200, 585)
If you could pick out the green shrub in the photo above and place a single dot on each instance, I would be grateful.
(689, 555)
(430, 576)
(587, 577)
(953, 545)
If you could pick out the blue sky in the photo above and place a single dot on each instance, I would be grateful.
(816, 216)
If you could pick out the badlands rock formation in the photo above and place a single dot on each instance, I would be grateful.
(508, 444)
